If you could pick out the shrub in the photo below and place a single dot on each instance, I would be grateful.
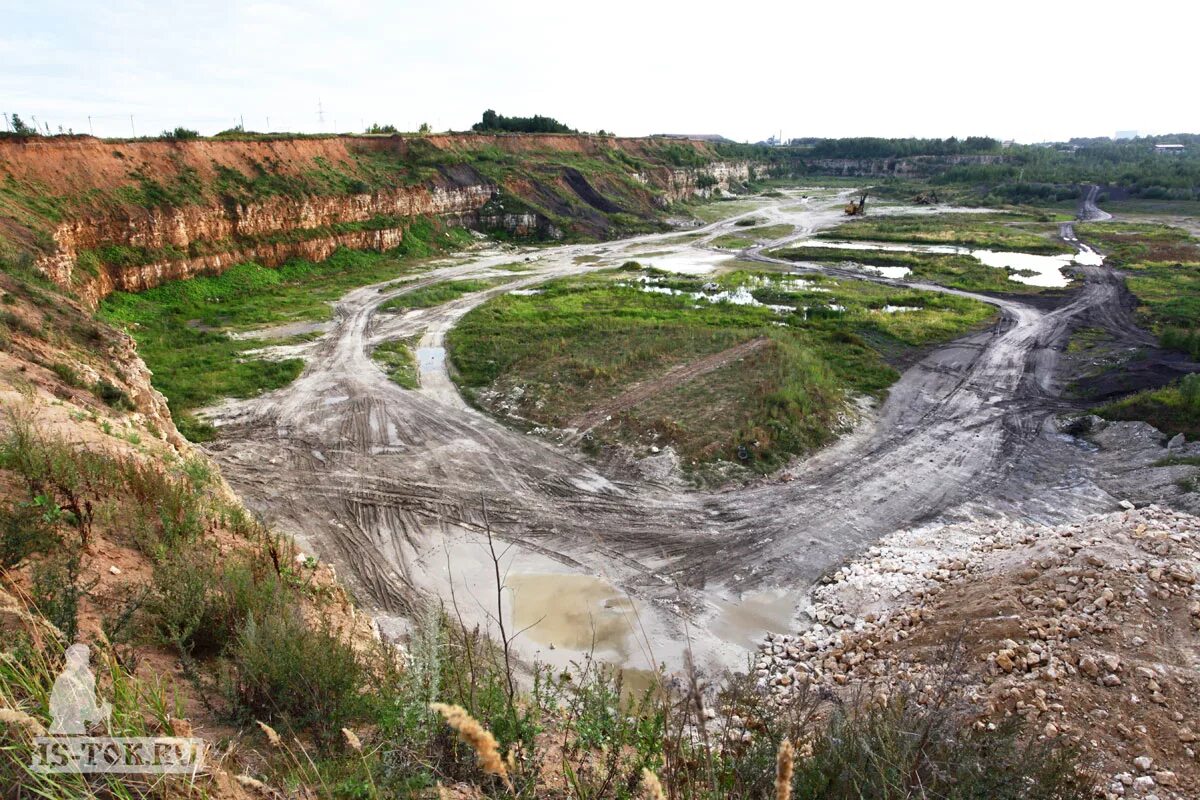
(181, 133)
(906, 750)
(199, 606)
(112, 395)
(285, 671)
(66, 373)
(1189, 387)
(24, 531)
(57, 591)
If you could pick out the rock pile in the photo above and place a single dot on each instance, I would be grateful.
(1088, 631)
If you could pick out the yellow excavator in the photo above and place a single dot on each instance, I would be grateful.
(857, 208)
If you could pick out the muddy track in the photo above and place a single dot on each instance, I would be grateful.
(388, 483)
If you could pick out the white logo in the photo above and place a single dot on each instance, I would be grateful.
(74, 708)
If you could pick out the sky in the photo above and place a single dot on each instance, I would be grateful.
(1029, 71)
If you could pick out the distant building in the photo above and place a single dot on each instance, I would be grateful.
(1126, 135)
(1168, 148)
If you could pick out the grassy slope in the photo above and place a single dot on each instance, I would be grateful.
(180, 327)
(1172, 409)
(438, 293)
(585, 340)
(1163, 268)
(751, 236)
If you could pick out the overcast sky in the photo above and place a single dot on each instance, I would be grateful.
(1032, 71)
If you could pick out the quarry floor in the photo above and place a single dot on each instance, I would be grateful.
(399, 488)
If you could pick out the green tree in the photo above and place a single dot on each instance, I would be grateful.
(22, 129)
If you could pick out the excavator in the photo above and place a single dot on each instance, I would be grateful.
(857, 208)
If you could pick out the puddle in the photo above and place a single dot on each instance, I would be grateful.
(898, 309)
(526, 292)
(573, 612)
(431, 359)
(696, 263)
(739, 296)
(743, 622)
(1027, 268)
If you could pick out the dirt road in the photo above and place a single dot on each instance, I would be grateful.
(391, 484)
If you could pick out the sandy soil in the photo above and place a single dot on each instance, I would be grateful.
(391, 485)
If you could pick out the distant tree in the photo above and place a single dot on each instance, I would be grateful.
(424, 130)
(236, 130)
(181, 133)
(491, 121)
(22, 129)
(377, 128)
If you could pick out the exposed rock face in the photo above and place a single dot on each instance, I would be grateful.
(194, 219)
(212, 238)
(681, 184)
(914, 166)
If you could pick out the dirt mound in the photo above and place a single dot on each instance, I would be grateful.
(1090, 632)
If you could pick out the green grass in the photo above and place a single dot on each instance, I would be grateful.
(719, 209)
(585, 340)
(1085, 340)
(752, 236)
(1172, 409)
(1012, 232)
(955, 271)
(398, 361)
(181, 327)
(438, 293)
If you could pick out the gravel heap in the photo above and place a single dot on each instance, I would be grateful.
(1089, 631)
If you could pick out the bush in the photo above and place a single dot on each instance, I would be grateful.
(1189, 387)
(112, 395)
(57, 591)
(1183, 340)
(181, 133)
(24, 531)
(199, 606)
(285, 671)
(905, 750)
(66, 374)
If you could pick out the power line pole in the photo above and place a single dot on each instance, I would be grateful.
(320, 113)
(268, 124)
(132, 129)
(7, 126)
(91, 130)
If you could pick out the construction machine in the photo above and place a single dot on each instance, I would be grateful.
(857, 208)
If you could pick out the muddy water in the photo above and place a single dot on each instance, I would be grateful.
(576, 612)
(742, 622)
